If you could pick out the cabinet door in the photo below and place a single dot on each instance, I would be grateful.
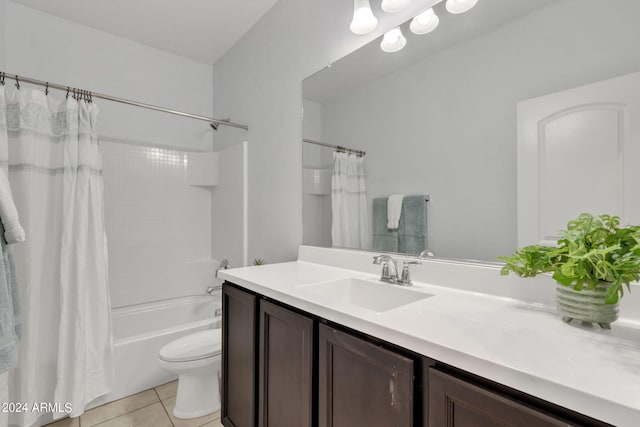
(285, 367)
(361, 384)
(454, 402)
(238, 358)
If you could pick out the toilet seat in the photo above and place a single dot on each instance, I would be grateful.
(196, 346)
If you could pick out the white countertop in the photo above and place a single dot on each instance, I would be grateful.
(522, 345)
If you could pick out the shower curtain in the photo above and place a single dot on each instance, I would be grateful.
(350, 225)
(55, 168)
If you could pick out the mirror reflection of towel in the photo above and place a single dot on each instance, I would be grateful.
(384, 240)
(412, 230)
(394, 211)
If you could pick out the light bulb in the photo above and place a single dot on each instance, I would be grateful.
(363, 20)
(460, 6)
(393, 6)
(393, 41)
(425, 22)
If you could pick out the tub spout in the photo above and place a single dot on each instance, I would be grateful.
(212, 288)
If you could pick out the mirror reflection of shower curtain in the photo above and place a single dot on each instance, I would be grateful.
(350, 218)
(55, 170)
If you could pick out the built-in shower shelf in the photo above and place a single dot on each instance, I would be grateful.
(203, 169)
(316, 181)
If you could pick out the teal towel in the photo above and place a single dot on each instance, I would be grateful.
(412, 230)
(384, 240)
(10, 325)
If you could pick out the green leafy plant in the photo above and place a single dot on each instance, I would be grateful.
(258, 261)
(592, 250)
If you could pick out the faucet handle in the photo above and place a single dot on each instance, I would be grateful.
(405, 278)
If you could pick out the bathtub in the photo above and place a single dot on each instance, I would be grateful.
(140, 331)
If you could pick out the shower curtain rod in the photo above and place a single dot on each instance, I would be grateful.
(336, 147)
(19, 79)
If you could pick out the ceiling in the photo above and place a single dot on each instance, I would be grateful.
(370, 62)
(202, 30)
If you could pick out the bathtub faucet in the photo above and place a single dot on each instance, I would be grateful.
(212, 288)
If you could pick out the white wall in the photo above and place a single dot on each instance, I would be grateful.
(159, 229)
(49, 48)
(228, 206)
(259, 82)
(2, 35)
(446, 126)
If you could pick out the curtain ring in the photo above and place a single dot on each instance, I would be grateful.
(17, 82)
(46, 88)
(68, 92)
(2, 78)
(90, 97)
(75, 94)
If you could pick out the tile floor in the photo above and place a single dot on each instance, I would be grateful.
(150, 408)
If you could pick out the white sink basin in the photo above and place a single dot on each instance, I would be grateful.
(376, 296)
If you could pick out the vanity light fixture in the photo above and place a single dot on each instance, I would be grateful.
(460, 6)
(393, 6)
(363, 20)
(393, 41)
(425, 22)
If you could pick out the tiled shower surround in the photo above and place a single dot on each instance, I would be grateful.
(158, 227)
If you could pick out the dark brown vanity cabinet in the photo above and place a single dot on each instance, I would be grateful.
(454, 402)
(285, 386)
(267, 363)
(362, 384)
(239, 345)
(285, 368)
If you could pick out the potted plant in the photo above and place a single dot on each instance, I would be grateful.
(594, 261)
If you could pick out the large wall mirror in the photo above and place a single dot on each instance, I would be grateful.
(439, 118)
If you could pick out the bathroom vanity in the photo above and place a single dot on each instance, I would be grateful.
(307, 344)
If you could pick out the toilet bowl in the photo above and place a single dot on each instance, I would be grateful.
(196, 359)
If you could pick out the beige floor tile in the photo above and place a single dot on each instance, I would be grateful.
(214, 423)
(193, 422)
(167, 390)
(119, 407)
(149, 416)
(65, 422)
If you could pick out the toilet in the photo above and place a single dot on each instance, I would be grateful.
(196, 359)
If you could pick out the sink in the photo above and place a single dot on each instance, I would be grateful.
(376, 296)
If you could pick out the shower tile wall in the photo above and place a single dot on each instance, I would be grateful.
(158, 227)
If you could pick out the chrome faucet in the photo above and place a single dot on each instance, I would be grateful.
(426, 254)
(389, 269)
(212, 288)
(405, 279)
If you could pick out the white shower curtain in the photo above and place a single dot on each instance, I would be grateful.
(350, 225)
(55, 168)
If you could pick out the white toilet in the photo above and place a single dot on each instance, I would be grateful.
(196, 359)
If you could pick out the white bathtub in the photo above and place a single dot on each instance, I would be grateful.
(140, 331)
